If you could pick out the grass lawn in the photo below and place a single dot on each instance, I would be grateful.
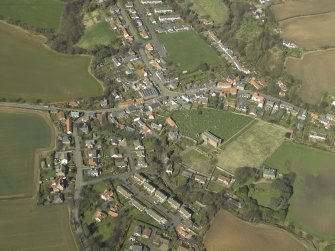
(30, 71)
(313, 201)
(215, 9)
(221, 123)
(187, 50)
(264, 193)
(21, 135)
(99, 34)
(38, 13)
(197, 161)
(252, 147)
(24, 226)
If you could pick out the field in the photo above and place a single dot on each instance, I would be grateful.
(38, 13)
(290, 9)
(21, 135)
(252, 147)
(181, 47)
(316, 71)
(221, 123)
(229, 233)
(29, 70)
(313, 201)
(310, 32)
(98, 34)
(263, 193)
(24, 226)
(214, 9)
(197, 161)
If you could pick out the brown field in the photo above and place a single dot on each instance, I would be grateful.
(316, 71)
(229, 233)
(297, 8)
(310, 32)
(24, 226)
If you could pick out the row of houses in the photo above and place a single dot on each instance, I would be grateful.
(161, 196)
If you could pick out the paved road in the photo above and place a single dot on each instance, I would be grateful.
(154, 39)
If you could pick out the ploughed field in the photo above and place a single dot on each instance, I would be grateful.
(21, 134)
(229, 233)
(310, 25)
(30, 71)
(36, 13)
(312, 205)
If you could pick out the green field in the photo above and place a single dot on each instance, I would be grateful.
(21, 134)
(29, 70)
(221, 123)
(252, 147)
(24, 226)
(197, 161)
(99, 34)
(313, 201)
(214, 9)
(263, 193)
(38, 13)
(187, 50)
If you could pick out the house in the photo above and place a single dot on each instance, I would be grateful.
(61, 158)
(226, 180)
(256, 83)
(149, 47)
(239, 85)
(171, 122)
(211, 139)
(66, 139)
(148, 187)
(84, 129)
(103, 102)
(58, 185)
(138, 231)
(151, 1)
(187, 174)
(140, 153)
(242, 105)
(90, 143)
(100, 216)
(107, 195)
(69, 127)
(185, 212)
(317, 136)
(139, 179)
(227, 84)
(169, 18)
(115, 154)
(142, 163)
(160, 196)
(121, 163)
(74, 114)
(302, 115)
(136, 247)
(174, 204)
(93, 172)
(137, 204)
(124, 192)
(269, 173)
(258, 99)
(173, 135)
(163, 10)
(149, 92)
(138, 145)
(200, 179)
(156, 216)
(146, 233)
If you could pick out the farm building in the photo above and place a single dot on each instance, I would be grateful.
(211, 139)
(269, 173)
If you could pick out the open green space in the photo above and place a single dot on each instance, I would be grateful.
(37, 13)
(252, 147)
(214, 9)
(197, 161)
(24, 226)
(313, 202)
(21, 135)
(31, 71)
(264, 193)
(98, 34)
(221, 123)
(187, 50)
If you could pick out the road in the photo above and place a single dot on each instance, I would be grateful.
(154, 39)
